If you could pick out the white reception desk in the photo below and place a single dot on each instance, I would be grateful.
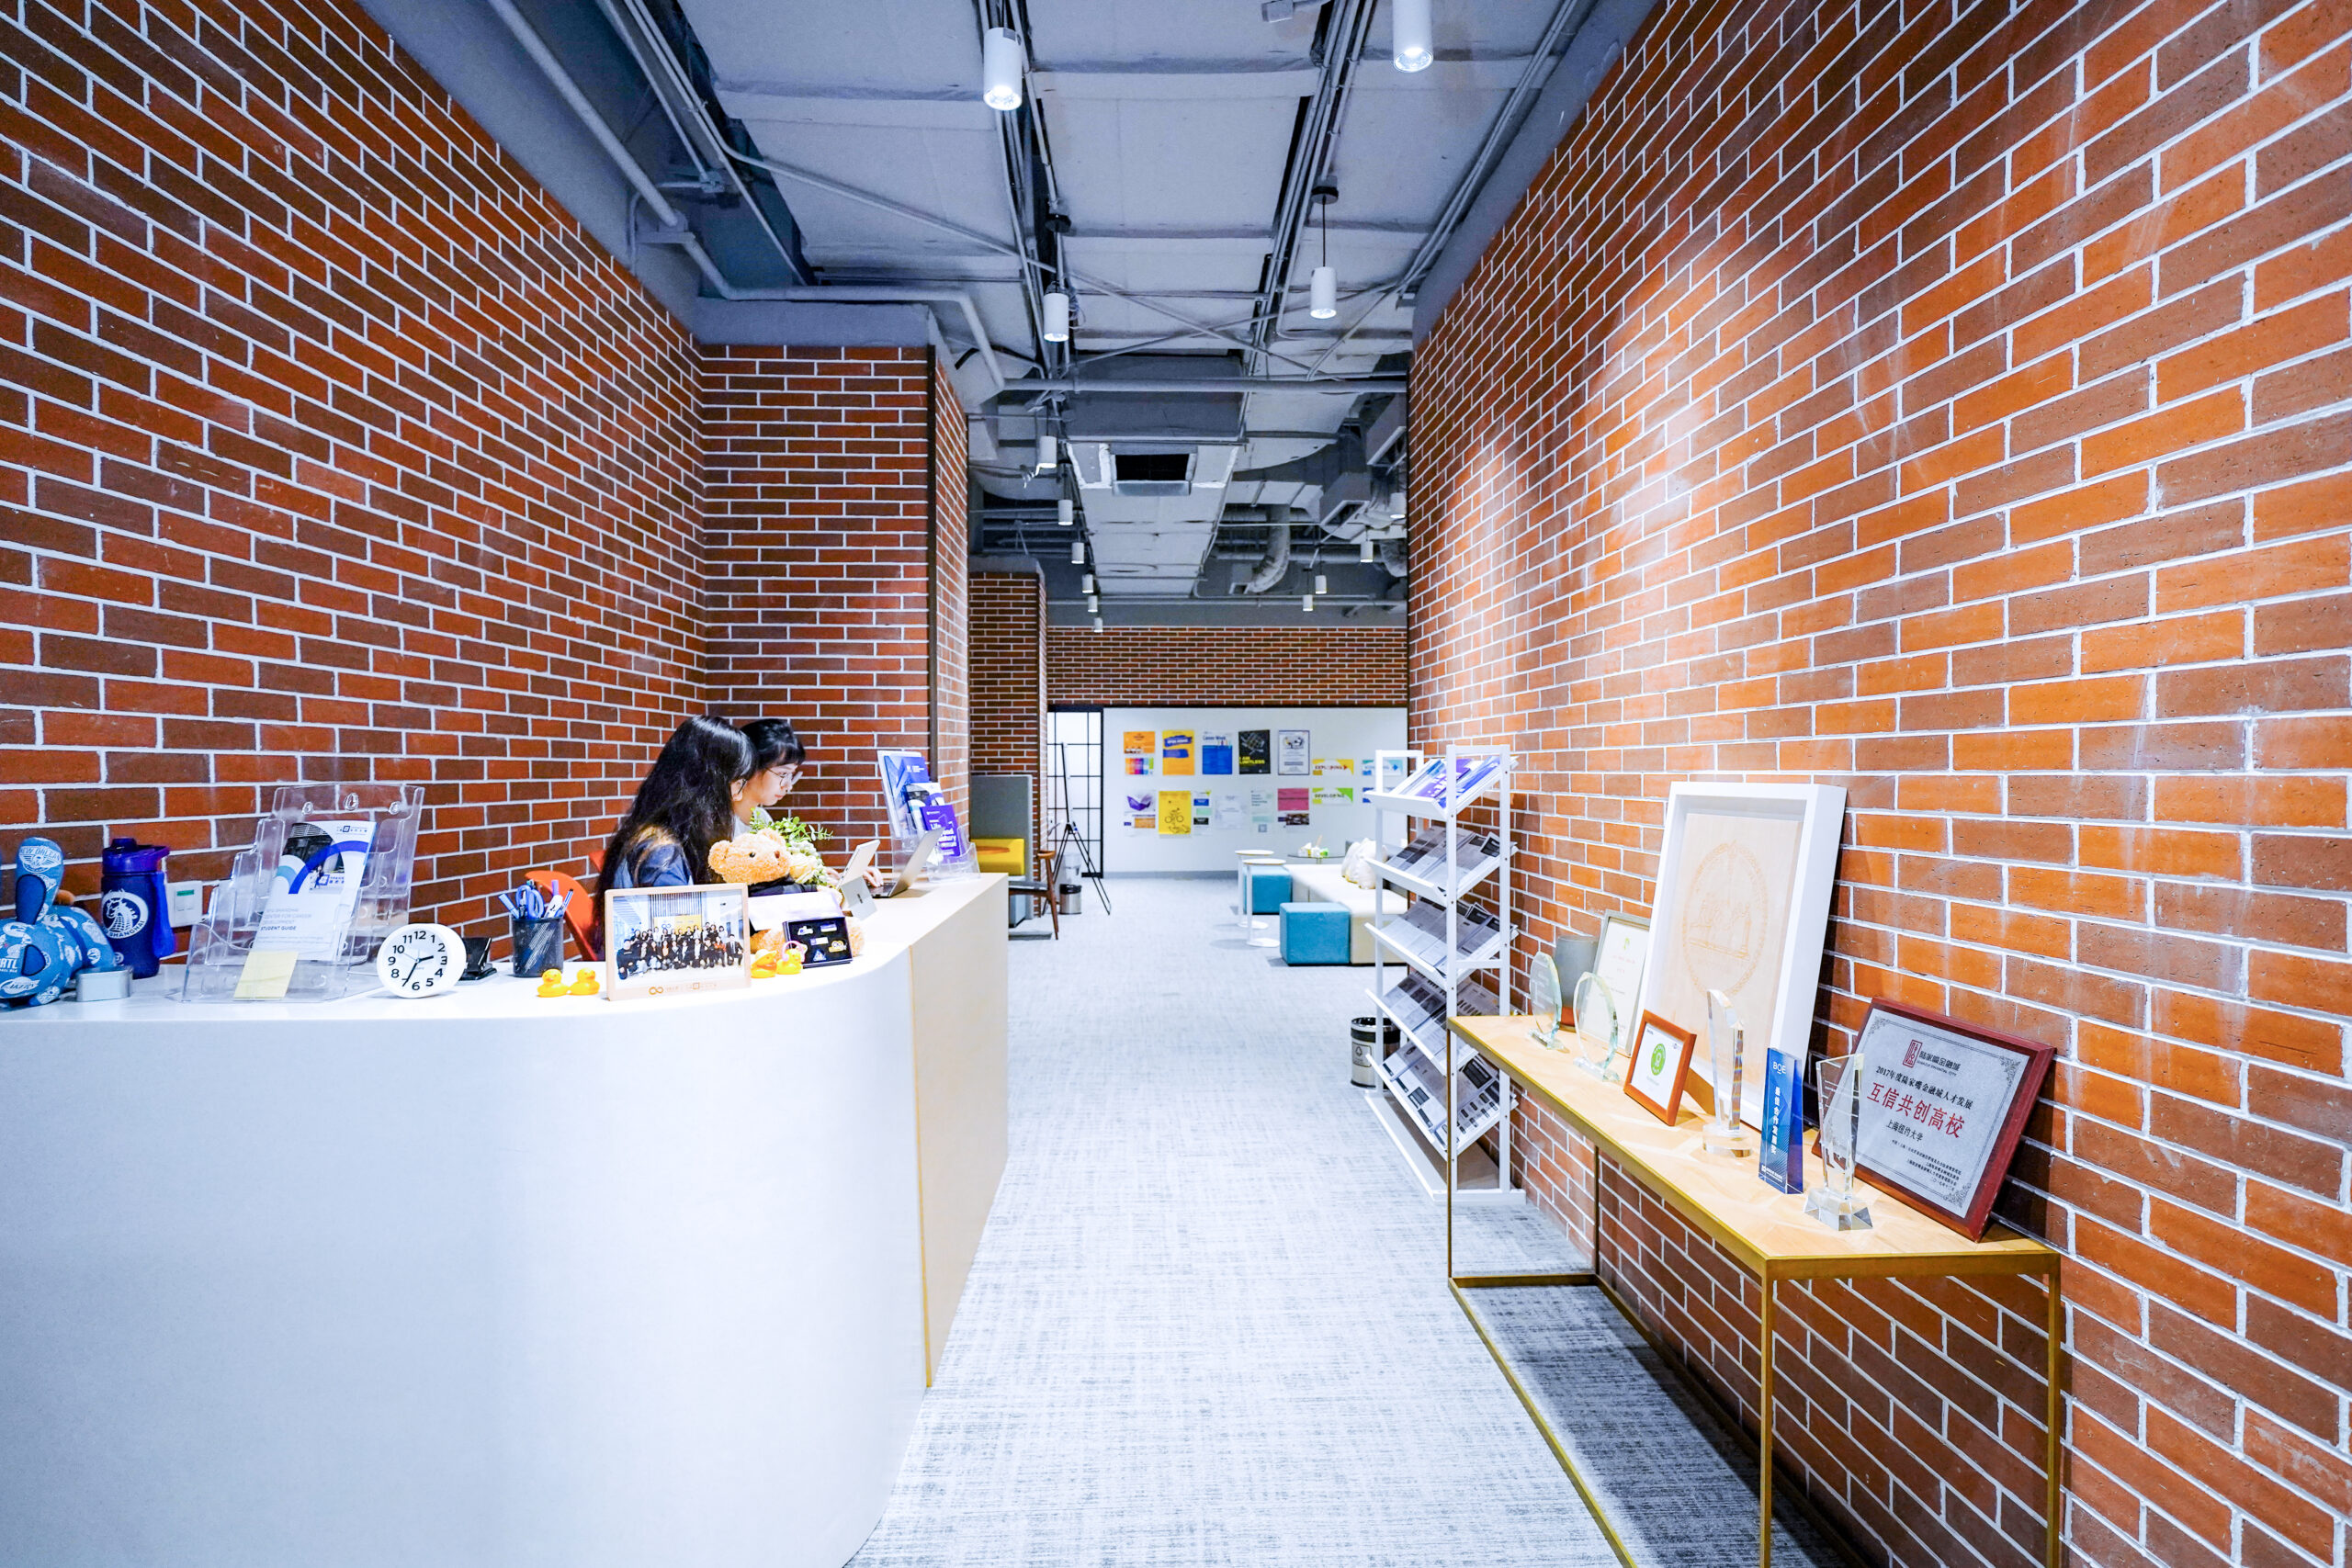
(490, 1281)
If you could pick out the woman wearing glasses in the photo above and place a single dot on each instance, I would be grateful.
(777, 756)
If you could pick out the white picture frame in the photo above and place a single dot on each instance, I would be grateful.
(1620, 956)
(1742, 904)
(669, 941)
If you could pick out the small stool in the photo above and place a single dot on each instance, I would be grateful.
(1315, 933)
(1269, 887)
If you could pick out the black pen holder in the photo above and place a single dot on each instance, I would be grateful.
(538, 946)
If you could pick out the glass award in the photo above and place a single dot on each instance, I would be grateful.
(1596, 1019)
(1543, 1002)
(1727, 1064)
(1838, 1088)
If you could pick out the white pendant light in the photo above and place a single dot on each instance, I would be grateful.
(1322, 583)
(1078, 552)
(1057, 316)
(1367, 549)
(1306, 603)
(1409, 31)
(1001, 68)
(1098, 623)
(1086, 584)
(1092, 603)
(1323, 294)
(1049, 451)
(1065, 511)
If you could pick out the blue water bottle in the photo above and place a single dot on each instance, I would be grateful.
(132, 903)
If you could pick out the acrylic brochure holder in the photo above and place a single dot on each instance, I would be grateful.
(303, 912)
(918, 806)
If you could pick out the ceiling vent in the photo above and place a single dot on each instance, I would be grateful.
(1152, 473)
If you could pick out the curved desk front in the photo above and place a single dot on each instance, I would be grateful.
(489, 1279)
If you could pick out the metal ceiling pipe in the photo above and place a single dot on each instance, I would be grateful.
(668, 217)
(1350, 385)
(1344, 30)
(1270, 569)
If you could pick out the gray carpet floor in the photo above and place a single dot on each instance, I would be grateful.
(1209, 1323)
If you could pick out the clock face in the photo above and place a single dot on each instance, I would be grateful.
(421, 961)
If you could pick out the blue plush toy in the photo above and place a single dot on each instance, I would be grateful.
(47, 944)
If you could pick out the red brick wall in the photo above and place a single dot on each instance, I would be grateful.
(1949, 402)
(1008, 664)
(330, 447)
(951, 686)
(1208, 666)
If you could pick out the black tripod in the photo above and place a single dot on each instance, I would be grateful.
(1069, 835)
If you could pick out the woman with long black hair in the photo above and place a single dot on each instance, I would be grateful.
(686, 803)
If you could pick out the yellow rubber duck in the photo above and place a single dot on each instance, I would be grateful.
(551, 983)
(585, 986)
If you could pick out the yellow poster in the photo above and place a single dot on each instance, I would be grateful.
(1175, 813)
(1137, 747)
(1175, 752)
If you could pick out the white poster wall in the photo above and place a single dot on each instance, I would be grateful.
(1223, 812)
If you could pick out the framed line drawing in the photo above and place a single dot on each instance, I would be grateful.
(1943, 1105)
(1743, 906)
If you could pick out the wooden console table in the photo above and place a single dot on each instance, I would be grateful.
(1766, 1233)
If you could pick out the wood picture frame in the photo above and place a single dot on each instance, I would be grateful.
(1922, 1073)
(1742, 905)
(1659, 1039)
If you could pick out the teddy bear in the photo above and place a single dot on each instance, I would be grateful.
(750, 858)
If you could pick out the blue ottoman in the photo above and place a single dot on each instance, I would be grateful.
(1269, 885)
(1315, 933)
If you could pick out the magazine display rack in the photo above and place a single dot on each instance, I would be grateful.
(1429, 964)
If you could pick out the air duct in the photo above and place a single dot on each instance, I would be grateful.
(1275, 564)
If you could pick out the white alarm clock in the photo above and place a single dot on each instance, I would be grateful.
(421, 961)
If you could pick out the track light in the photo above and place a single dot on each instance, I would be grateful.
(1049, 451)
(1365, 546)
(1065, 511)
(1323, 294)
(1001, 68)
(1409, 31)
(1078, 552)
(1057, 316)
(1322, 583)
(1306, 603)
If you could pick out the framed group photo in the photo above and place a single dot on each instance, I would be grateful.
(666, 940)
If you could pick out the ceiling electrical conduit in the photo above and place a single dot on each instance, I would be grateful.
(670, 217)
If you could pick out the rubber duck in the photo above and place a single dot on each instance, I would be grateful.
(551, 983)
(585, 986)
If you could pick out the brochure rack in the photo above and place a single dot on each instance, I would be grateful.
(1429, 964)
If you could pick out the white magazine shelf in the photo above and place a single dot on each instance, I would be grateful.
(1445, 955)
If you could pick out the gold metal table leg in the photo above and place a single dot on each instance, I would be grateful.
(1764, 1437)
(2054, 1413)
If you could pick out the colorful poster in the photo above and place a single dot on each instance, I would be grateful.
(1335, 794)
(1175, 813)
(1138, 747)
(1200, 808)
(1291, 748)
(1175, 752)
(1143, 814)
(1216, 753)
(1291, 808)
(1256, 750)
(1336, 770)
(1262, 809)
(1228, 811)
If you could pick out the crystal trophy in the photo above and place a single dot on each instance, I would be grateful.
(1596, 1018)
(1543, 1000)
(1838, 1083)
(1727, 1059)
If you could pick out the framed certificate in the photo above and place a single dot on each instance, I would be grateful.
(1661, 1061)
(1942, 1105)
(1618, 958)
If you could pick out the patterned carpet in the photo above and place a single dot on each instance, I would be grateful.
(1209, 1323)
